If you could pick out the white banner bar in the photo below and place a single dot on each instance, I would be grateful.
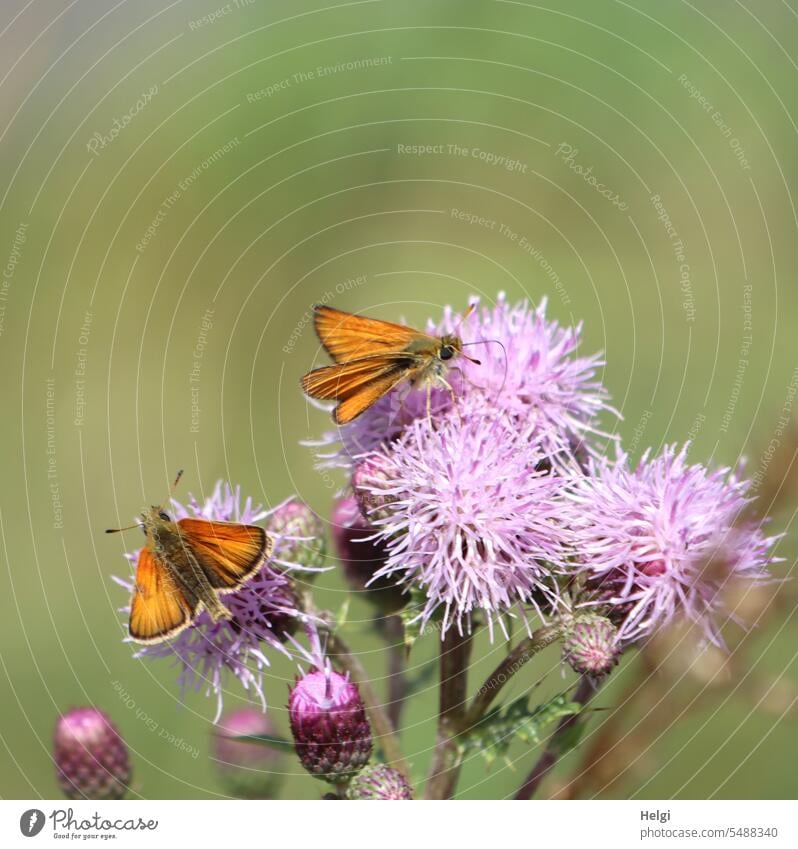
(536, 824)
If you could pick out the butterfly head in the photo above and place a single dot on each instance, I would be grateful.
(153, 518)
(452, 346)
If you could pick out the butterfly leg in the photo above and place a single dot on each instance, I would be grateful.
(403, 394)
(466, 378)
(452, 395)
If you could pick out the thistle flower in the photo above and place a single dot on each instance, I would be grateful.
(379, 782)
(264, 612)
(328, 720)
(246, 770)
(472, 518)
(591, 646)
(362, 556)
(662, 541)
(534, 374)
(528, 372)
(91, 759)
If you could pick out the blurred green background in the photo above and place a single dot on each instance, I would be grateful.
(264, 162)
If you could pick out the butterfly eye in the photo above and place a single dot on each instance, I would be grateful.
(447, 352)
(164, 516)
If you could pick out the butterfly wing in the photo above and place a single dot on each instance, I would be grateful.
(228, 553)
(358, 384)
(158, 608)
(339, 382)
(348, 337)
(351, 407)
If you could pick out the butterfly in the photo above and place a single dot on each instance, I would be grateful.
(185, 566)
(372, 357)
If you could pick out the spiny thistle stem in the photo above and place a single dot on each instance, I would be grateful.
(445, 767)
(523, 652)
(605, 744)
(584, 692)
(393, 631)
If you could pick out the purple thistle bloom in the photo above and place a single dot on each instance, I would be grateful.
(528, 372)
(662, 541)
(91, 759)
(536, 375)
(472, 519)
(328, 721)
(264, 611)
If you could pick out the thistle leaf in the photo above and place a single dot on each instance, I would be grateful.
(570, 737)
(494, 733)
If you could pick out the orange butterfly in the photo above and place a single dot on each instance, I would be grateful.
(372, 357)
(185, 566)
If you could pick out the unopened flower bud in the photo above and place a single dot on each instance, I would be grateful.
(91, 758)
(361, 557)
(299, 536)
(379, 782)
(368, 479)
(247, 770)
(328, 720)
(590, 647)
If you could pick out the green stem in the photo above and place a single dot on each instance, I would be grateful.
(525, 650)
(391, 630)
(445, 767)
(551, 754)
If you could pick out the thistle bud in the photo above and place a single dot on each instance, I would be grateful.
(379, 782)
(328, 720)
(369, 478)
(590, 647)
(361, 558)
(299, 536)
(246, 770)
(91, 758)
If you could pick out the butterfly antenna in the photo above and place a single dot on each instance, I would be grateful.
(458, 322)
(173, 487)
(119, 530)
(464, 316)
(504, 352)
